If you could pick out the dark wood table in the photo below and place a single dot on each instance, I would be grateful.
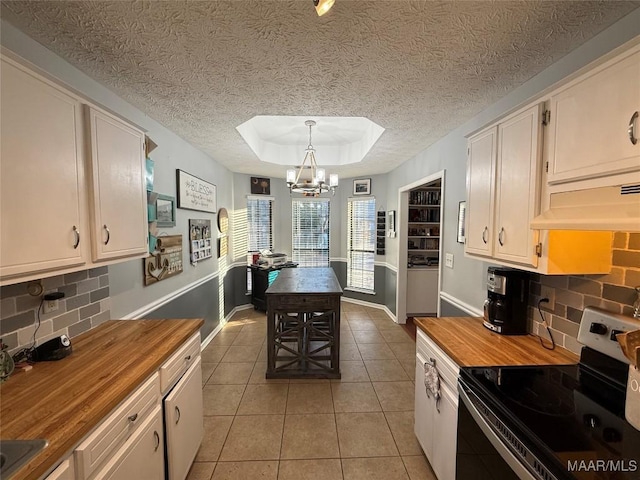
(303, 324)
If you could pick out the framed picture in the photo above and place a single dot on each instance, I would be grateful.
(200, 239)
(260, 186)
(165, 211)
(362, 186)
(195, 193)
(462, 212)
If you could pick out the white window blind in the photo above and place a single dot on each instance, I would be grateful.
(361, 243)
(310, 232)
(259, 229)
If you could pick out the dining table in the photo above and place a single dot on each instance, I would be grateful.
(303, 324)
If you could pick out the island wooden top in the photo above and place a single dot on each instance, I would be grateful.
(62, 401)
(468, 343)
(306, 281)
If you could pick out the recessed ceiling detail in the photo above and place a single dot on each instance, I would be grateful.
(283, 140)
(419, 68)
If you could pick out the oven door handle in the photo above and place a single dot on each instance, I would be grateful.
(518, 468)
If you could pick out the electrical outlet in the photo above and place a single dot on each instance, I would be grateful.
(50, 306)
(550, 293)
(448, 260)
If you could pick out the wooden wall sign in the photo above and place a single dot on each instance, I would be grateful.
(195, 193)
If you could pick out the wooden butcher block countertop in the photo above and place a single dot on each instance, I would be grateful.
(62, 401)
(468, 343)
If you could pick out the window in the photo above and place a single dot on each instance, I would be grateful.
(259, 228)
(361, 243)
(310, 232)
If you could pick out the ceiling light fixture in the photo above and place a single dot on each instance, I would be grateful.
(323, 6)
(316, 185)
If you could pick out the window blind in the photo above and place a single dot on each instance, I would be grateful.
(361, 243)
(310, 232)
(259, 229)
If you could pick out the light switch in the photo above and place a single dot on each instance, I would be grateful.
(448, 260)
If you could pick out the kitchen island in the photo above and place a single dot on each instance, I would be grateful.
(63, 401)
(303, 324)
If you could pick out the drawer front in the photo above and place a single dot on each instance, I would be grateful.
(117, 428)
(295, 302)
(179, 362)
(447, 368)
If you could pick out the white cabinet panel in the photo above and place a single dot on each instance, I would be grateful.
(422, 291)
(64, 471)
(43, 208)
(445, 435)
(118, 187)
(184, 426)
(588, 133)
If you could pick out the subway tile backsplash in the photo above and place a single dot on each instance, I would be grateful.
(613, 291)
(86, 304)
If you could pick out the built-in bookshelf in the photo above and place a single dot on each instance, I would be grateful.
(424, 225)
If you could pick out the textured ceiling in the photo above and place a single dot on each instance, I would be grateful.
(416, 68)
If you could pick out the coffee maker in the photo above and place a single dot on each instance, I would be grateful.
(505, 309)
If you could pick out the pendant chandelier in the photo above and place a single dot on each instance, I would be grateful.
(316, 184)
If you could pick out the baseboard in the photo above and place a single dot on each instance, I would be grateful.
(221, 324)
(371, 305)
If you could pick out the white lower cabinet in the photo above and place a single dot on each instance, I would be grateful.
(436, 422)
(64, 471)
(142, 456)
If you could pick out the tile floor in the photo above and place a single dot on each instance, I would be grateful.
(358, 427)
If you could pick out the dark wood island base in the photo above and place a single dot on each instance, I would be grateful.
(303, 324)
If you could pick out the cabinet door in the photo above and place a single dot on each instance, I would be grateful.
(142, 456)
(41, 191)
(118, 187)
(184, 422)
(64, 471)
(422, 291)
(445, 435)
(424, 411)
(480, 192)
(590, 118)
(518, 187)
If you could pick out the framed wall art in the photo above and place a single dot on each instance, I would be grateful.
(462, 212)
(195, 193)
(362, 186)
(200, 240)
(260, 186)
(165, 211)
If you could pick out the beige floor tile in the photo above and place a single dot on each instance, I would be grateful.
(396, 335)
(360, 324)
(385, 371)
(264, 400)
(410, 368)
(404, 352)
(349, 352)
(352, 371)
(246, 471)
(327, 469)
(401, 425)
(231, 374)
(262, 356)
(225, 337)
(368, 336)
(395, 396)
(207, 371)
(375, 351)
(258, 375)
(250, 338)
(310, 436)
(354, 397)
(201, 471)
(213, 353)
(309, 398)
(221, 399)
(346, 337)
(241, 353)
(379, 314)
(314, 381)
(215, 433)
(418, 468)
(253, 437)
(387, 468)
(364, 435)
(233, 326)
(385, 324)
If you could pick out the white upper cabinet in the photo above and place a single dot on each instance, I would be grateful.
(481, 172)
(118, 195)
(43, 206)
(504, 189)
(594, 121)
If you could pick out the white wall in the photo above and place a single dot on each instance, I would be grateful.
(127, 291)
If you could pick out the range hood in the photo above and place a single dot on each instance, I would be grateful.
(605, 208)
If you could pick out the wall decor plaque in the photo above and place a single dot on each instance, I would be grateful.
(166, 261)
(195, 193)
(200, 239)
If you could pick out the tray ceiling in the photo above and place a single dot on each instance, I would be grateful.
(416, 68)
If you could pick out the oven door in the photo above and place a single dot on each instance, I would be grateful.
(487, 448)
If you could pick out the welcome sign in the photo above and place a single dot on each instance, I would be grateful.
(195, 193)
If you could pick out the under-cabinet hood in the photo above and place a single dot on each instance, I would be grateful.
(605, 208)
